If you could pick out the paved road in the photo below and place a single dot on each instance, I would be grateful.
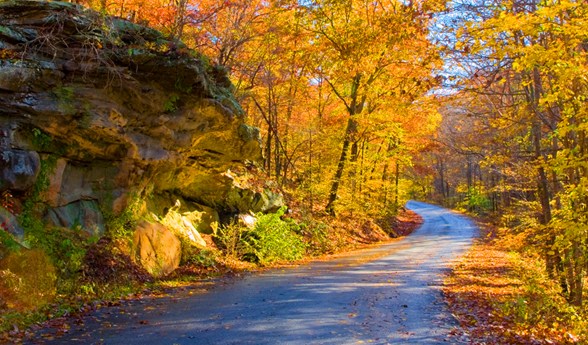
(385, 295)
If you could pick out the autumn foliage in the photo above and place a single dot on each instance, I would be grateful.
(513, 138)
(339, 88)
(342, 90)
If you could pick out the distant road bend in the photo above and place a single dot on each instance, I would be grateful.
(385, 295)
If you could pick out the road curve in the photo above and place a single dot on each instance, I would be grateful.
(385, 295)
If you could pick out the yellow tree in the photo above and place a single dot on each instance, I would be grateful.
(539, 51)
(371, 54)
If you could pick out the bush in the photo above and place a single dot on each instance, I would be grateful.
(66, 248)
(200, 257)
(476, 202)
(272, 239)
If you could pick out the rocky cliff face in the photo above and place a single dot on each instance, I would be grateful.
(96, 112)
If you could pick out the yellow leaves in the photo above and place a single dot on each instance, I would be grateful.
(8, 54)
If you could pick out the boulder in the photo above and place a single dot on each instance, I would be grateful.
(241, 200)
(156, 248)
(182, 225)
(247, 220)
(205, 219)
(18, 169)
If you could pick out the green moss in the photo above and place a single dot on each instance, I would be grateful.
(8, 243)
(28, 279)
(171, 104)
(41, 140)
(65, 99)
(123, 224)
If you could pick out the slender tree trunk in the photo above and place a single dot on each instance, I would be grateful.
(441, 171)
(310, 175)
(277, 152)
(385, 185)
(396, 180)
(551, 258)
(179, 20)
(353, 169)
(349, 133)
(575, 269)
(353, 109)
(268, 153)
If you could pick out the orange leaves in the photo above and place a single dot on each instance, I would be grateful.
(496, 303)
(300, 69)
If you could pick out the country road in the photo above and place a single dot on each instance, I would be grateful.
(389, 294)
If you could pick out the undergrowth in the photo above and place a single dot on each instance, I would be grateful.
(540, 306)
(271, 239)
(501, 293)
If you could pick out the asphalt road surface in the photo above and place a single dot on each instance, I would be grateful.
(390, 294)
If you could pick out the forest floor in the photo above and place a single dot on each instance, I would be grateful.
(500, 296)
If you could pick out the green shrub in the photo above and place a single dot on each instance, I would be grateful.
(272, 239)
(7, 242)
(539, 303)
(200, 257)
(476, 201)
(67, 249)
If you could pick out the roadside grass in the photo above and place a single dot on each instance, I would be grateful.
(500, 296)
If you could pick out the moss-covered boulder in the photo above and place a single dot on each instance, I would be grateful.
(27, 280)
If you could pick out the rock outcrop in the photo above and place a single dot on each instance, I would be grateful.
(97, 111)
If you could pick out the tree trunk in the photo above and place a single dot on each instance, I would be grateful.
(396, 185)
(353, 108)
(268, 152)
(179, 20)
(551, 258)
(353, 169)
(349, 132)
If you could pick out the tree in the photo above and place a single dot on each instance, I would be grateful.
(528, 58)
(372, 54)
